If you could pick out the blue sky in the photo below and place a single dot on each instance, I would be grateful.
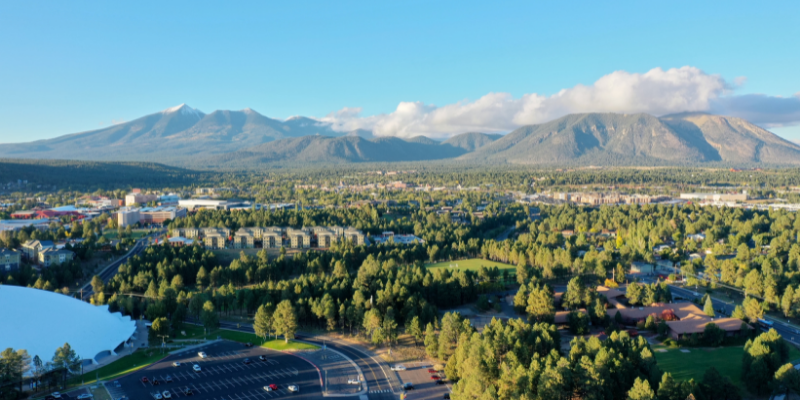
(73, 66)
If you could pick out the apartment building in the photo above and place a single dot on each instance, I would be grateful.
(214, 241)
(32, 248)
(299, 238)
(244, 240)
(271, 239)
(325, 238)
(9, 260)
(52, 256)
(355, 236)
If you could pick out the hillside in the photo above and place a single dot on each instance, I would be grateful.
(322, 149)
(603, 139)
(183, 136)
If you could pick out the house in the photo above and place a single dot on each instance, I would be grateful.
(52, 256)
(32, 248)
(685, 319)
(9, 260)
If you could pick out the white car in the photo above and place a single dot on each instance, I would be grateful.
(353, 382)
(167, 394)
(176, 364)
(85, 396)
(57, 395)
(202, 354)
(294, 388)
(196, 368)
(399, 368)
(157, 396)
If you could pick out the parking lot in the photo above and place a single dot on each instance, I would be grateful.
(425, 388)
(223, 375)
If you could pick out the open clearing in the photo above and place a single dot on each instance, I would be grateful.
(473, 264)
(692, 365)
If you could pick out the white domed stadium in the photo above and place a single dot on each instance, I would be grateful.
(40, 322)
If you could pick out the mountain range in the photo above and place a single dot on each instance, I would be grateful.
(184, 136)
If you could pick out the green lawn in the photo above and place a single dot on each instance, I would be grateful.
(112, 234)
(196, 332)
(692, 365)
(124, 365)
(473, 264)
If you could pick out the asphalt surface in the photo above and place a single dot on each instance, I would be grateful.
(376, 375)
(223, 376)
(111, 269)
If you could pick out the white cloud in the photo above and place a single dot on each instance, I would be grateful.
(657, 92)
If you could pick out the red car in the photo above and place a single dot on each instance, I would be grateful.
(144, 379)
(431, 371)
(435, 377)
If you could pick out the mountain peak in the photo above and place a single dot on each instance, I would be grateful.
(183, 109)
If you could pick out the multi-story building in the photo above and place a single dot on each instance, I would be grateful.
(157, 215)
(9, 260)
(139, 198)
(299, 238)
(271, 239)
(214, 241)
(244, 240)
(325, 238)
(54, 256)
(32, 248)
(128, 217)
(355, 236)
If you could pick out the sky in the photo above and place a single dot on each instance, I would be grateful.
(397, 68)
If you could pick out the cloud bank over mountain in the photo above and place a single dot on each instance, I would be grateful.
(656, 92)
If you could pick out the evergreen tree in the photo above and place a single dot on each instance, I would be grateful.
(708, 308)
(262, 323)
(284, 320)
(431, 342)
(641, 390)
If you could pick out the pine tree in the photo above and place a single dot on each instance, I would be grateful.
(641, 390)
(521, 299)
(431, 341)
(787, 302)
(261, 323)
(284, 320)
(634, 293)
(708, 308)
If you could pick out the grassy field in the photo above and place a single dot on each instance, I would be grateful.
(473, 264)
(196, 332)
(124, 365)
(112, 234)
(692, 365)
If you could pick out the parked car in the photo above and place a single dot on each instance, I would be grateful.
(57, 395)
(202, 354)
(157, 396)
(187, 391)
(176, 364)
(85, 396)
(446, 396)
(431, 371)
(155, 381)
(117, 384)
(168, 378)
(353, 382)
(398, 367)
(248, 344)
(294, 388)
(167, 394)
(246, 361)
(440, 382)
(435, 377)
(144, 380)
(196, 368)
(262, 358)
(408, 386)
(271, 387)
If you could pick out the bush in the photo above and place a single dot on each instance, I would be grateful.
(640, 325)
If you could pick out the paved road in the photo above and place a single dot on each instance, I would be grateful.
(110, 270)
(376, 375)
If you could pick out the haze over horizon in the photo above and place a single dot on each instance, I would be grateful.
(486, 68)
